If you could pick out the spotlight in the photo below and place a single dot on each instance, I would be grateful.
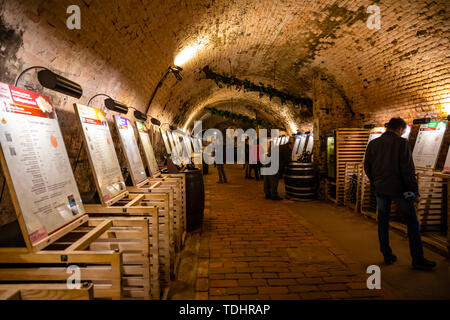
(173, 128)
(155, 121)
(369, 126)
(139, 115)
(176, 72)
(421, 121)
(55, 82)
(116, 106)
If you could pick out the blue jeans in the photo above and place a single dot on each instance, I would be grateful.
(406, 207)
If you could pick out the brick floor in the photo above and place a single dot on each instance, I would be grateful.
(252, 248)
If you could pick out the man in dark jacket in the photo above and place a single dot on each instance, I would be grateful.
(389, 165)
(271, 181)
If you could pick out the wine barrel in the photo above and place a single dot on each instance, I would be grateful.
(195, 198)
(300, 181)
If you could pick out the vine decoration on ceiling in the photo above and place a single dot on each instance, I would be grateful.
(229, 81)
(239, 117)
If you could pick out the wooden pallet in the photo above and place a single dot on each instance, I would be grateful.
(352, 186)
(350, 148)
(430, 209)
(143, 205)
(124, 244)
(45, 291)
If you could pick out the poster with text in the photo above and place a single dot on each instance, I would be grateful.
(407, 132)
(376, 133)
(299, 146)
(148, 149)
(428, 144)
(129, 143)
(166, 142)
(101, 152)
(447, 162)
(37, 162)
(310, 144)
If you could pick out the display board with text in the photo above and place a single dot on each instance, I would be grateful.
(428, 144)
(447, 162)
(131, 149)
(148, 149)
(166, 141)
(36, 165)
(376, 133)
(101, 152)
(310, 142)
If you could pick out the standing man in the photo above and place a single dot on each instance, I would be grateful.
(389, 166)
(271, 181)
(220, 163)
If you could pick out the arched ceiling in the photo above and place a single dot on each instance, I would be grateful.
(278, 42)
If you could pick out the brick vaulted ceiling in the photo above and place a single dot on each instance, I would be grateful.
(284, 43)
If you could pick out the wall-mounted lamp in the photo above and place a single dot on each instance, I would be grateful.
(139, 115)
(307, 132)
(155, 121)
(111, 104)
(176, 72)
(421, 121)
(50, 80)
(369, 126)
(173, 128)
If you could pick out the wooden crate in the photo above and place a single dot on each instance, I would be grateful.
(75, 244)
(430, 209)
(352, 186)
(350, 148)
(143, 205)
(45, 291)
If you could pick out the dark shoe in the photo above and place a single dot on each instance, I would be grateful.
(277, 198)
(390, 259)
(251, 178)
(423, 264)
(219, 182)
(267, 196)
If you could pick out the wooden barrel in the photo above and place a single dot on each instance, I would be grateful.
(300, 181)
(195, 198)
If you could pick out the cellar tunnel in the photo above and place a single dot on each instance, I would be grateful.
(325, 70)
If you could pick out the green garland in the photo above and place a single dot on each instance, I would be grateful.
(247, 85)
(239, 117)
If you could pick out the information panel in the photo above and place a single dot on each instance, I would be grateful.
(148, 149)
(310, 144)
(166, 142)
(102, 155)
(407, 132)
(376, 133)
(37, 163)
(428, 144)
(129, 144)
(447, 162)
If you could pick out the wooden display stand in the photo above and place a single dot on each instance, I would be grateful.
(123, 247)
(430, 205)
(55, 231)
(446, 178)
(350, 148)
(353, 178)
(368, 205)
(50, 291)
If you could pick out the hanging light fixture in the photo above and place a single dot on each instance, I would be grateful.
(139, 115)
(116, 106)
(50, 80)
(421, 121)
(155, 121)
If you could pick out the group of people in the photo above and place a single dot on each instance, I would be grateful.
(388, 164)
(252, 166)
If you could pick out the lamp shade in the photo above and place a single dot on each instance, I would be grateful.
(55, 82)
(421, 121)
(155, 121)
(139, 115)
(116, 106)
